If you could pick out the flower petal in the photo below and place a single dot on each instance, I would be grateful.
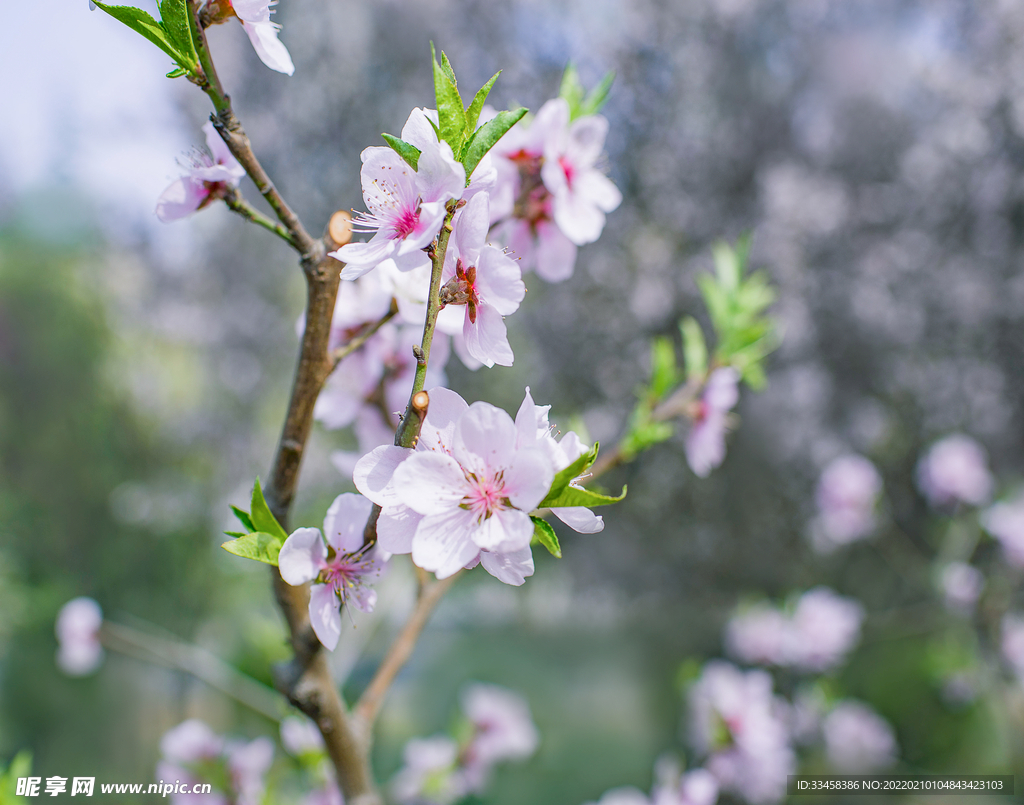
(430, 483)
(396, 528)
(325, 614)
(499, 281)
(485, 440)
(182, 198)
(471, 226)
(373, 473)
(580, 519)
(268, 47)
(555, 253)
(528, 478)
(445, 410)
(487, 338)
(442, 543)
(512, 568)
(345, 522)
(505, 530)
(302, 556)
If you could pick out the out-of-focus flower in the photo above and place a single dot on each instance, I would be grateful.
(1013, 642)
(847, 496)
(406, 206)
(248, 764)
(78, 642)
(961, 586)
(858, 740)
(262, 32)
(955, 470)
(193, 753)
(503, 729)
(462, 495)
(1005, 522)
(705, 443)
(625, 795)
(822, 630)
(300, 736)
(697, 787)
(736, 723)
(209, 178)
(485, 281)
(826, 627)
(341, 569)
(429, 776)
(759, 635)
(550, 197)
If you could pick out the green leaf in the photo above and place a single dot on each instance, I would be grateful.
(484, 138)
(177, 72)
(143, 23)
(597, 97)
(646, 434)
(448, 69)
(571, 89)
(475, 108)
(573, 471)
(544, 534)
(262, 518)
(244, 519)
(727, 266)
(260, 546)
(410, 153)
(664, 372)
(695, 350)
(237, 534)
(451, 113)
(20, 766)
(174, 20)
(577, 496)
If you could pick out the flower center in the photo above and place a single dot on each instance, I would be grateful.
(486, 496)
(346, 571)
(461, 289)
(568, 169)
(406, 222)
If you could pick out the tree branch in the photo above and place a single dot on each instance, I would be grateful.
(239, 205)
(342, 352)
(428, 597)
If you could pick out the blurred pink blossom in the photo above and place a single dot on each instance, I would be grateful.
(78, 643)
(1005, 522)
(503, 730)
(858, 740)
(826, 627)
(955, 470)
(961, 586)
(429, 774)
(759, 635)
(300, 735)
(208, 179)
(847, 495)
(705, 443)
(1013, 642)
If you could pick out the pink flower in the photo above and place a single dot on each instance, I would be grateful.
(625, 795)
(858, 740)
(208, 180)
(847, 495)
(262, 32)
(248, 764)
(503, 730)
(697, 787)
(549, 197)
(735, 722)
(462, 495)
(760, 635)
(406, 206)
(955, 470)
(961, 586)
(826, 627)
(78, 637)
(1005, 522)
(300, 736)
(535, 430)
(1013, 642)
(370, 431)
(185, 749)
(705, 443)
(340, 569)
(485, 281)
(429, 774)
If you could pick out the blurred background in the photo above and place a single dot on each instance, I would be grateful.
(873, 149)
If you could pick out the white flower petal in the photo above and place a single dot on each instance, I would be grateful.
(506, 530)
(580, 519)
(373, 473)
(555, 254)
(325, 615)
(485, 440)
(443, 544)
(528, 478)
(345, 522)
(499, 281)
(302, 556)
(487, 338)
(182, 198)
(396, 528)
(513, 567)
(430, 483)
(268, 47)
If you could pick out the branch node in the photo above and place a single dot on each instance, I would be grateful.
(417, 353)
(339, 231)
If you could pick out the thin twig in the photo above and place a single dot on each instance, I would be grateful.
(342, 352)
(198, 663)
(239, 205)
(234, 136)
(401, 649)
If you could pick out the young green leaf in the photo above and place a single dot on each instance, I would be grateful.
(174, 20)
(260, 546)
(664, 371)
(574, 470)
(177, 72)
(244, 519)
(485, 137)
(575, 496)
(475, 108)
(571, 89)
(407, 151)
(237, 534)
(695, 350)
(451, 113)
(261, 516)
(597, 97)
(544, 534)
(448, 69)
(143, 23)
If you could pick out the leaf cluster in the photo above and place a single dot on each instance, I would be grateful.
(581, 102)
(736, 305)
(172, 33)
(20, 766)
(263, 535)
(457, 123)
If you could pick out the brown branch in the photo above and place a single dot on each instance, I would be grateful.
(368, 331)
(428, 597)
